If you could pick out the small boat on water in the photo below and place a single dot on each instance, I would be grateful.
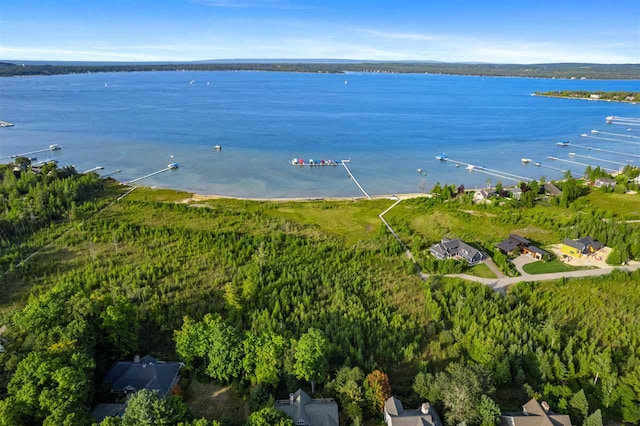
(173, 165)
(572, 154)
(217, 147)
(471, 167)
(312, 162)
(562, 144)
(55, 147)
(525, 160)
(442, 157)
(419, 170)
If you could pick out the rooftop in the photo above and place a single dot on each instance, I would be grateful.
(146, 373)
(306, 411)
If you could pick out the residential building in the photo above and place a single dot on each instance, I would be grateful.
(306, 411)
(396, 415)
(457, 249)
(517, 244)
(516, 192)
(146, 373)
(101, 411)
(550, 189)
(534, 414)
(482, 195)
(604, 182)
(581, 247)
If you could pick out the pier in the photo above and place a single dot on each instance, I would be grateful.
(344, 163)
(593, 148)
(53, 147)
(169, 167)
(584, 135)
(551, 157)
(539, 164)
(588, 157)
(596, 132)
(111, 173)
(94, 169)
(491, 172)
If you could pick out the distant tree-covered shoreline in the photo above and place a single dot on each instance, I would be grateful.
(563, 71)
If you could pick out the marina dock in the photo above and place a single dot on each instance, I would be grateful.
(485, 170)
(551, 157)
(171, 166)
(94, 169)
(584, 135)
(53, 147)
(593, 148)
(588, 157)
(111, 173)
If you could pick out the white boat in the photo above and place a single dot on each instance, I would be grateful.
(471, 167)
(173, 165)
(217, 147)
(419, 170)
(525, 160)
(562, 144)
(572, 154)
(594, 132)
(55, 147)
(442, 157)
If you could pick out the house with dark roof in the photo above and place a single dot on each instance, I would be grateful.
(396, 415)
(582, 247)
(550, 189)
(457, 249)
(483, 195)
(102, 411)
(518, 244)
(534, 414)
(306, 411)
(146, 373)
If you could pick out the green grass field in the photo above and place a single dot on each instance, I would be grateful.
(481, 270)
(623, 206)
(548, 267)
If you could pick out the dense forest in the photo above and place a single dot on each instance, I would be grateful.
(268, 297)
(597, 95)
(566, 70)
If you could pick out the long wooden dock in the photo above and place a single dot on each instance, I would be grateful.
(584, 135)
(488, 171)
(344, 164)
(594, 148)
(151, 174)
(589, 157)
(551, 157)
(24, 154)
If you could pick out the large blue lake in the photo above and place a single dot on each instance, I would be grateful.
(388, 124)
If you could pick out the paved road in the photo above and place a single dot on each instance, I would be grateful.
(500, 284)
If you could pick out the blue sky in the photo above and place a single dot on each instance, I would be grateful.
(444, 30)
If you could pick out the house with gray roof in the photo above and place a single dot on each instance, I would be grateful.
(578, 248)
(306, 411)
(102, 411)
(534, 413)
(516, 243)
(457, 249)
(396, 415)
(146, 373)
(550, 189)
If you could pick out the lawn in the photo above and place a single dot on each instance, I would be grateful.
(481, 270)
(624, 206)
(214, 402)
(548, 267)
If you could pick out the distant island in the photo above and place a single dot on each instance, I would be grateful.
(593, 96)
(562, 71)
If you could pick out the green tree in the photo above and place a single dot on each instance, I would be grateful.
(263, 357)
(595, 419)
(348, 386)
(311, 357)
(488, 411)
(377, 390)
(269, 416)
(580, 405)
(214, 340)
(148, 408)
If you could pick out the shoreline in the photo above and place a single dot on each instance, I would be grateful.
(196, 198)
(586, 99)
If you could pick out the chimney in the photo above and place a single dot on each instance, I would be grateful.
(424, 408)
(136, 359)
(545, 406)
(291, 398)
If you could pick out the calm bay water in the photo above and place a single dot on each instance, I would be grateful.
(388, 124)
